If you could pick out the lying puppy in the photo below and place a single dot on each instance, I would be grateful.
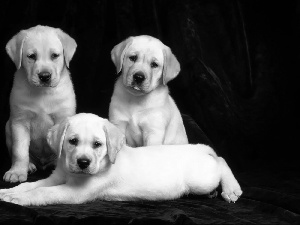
(42, 95)
(94, 163)
(141, 105)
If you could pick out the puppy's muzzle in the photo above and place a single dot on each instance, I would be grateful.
(83, 162)
(44, 77)
(138, 78)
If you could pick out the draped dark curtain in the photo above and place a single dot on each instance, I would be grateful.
(238, 80)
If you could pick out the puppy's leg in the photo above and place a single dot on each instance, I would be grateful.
(61, 194)
(153, 137)
(31, 166)
(231, 189)
(153, 127)
(54, 179)
(18, 140)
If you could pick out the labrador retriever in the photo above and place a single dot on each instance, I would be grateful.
(95, 163)
(42, 95)
(141, 105)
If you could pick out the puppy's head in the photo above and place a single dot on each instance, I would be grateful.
(43, 52)
(85, 143)
(145, 63)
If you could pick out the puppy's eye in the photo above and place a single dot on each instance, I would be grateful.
(97, 144)
(32, 56)
(54, 56)
(154, 65)
(133, 58)
(73, 141)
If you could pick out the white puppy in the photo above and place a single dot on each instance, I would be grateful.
(141, 105)
(94, 163)
(42, 95)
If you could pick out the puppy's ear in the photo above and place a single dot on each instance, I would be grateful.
(115, 140)
(14, 47)
(56, 136)
(171, 66)
(69, 45)
(119, 51)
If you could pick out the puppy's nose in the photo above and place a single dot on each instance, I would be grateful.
(44, 76)
(139, 77)
(83, 163)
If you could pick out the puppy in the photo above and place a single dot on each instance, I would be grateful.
(94, 163)
(141, 105)
(42, 95)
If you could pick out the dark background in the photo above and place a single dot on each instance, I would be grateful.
(239, 67)
(239, 76)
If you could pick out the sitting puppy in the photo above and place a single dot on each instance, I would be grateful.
(94, 163)
(141, 105)
(42, 95)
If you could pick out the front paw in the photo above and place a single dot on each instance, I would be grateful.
(31, 168)
(16, 175)
(8, 191)
(21, 188)
(16, 199)
(3, 192)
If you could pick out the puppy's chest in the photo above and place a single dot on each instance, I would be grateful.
(40, 112)
(39, 104)
(39, 124)
(47, 105)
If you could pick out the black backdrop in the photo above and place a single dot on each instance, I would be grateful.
(238, 58)
(239, 78)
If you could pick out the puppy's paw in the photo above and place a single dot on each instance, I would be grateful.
(231, 190)
(16, 199)
(31, 168)
(3, 192)
(21, 188)
(15, 175)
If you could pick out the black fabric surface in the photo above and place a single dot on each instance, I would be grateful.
(237, 90)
